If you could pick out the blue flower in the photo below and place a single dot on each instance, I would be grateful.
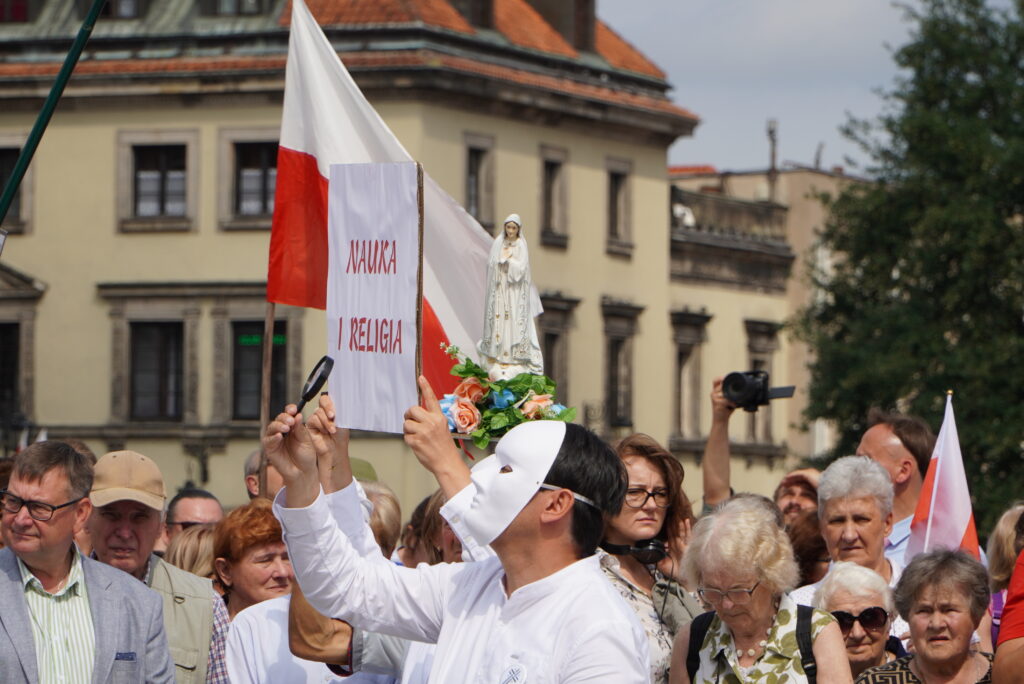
(502, 399)
(556, 409)
(446, 408)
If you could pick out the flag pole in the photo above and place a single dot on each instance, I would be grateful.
(268, 348)
(43, 120)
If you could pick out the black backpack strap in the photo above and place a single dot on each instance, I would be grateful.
(698, 630)
(804, 614)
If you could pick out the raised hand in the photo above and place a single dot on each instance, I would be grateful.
(331, 445)
(289, 447)
(721, 408)
(427, 434)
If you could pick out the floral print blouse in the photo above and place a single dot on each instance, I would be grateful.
(658, 634)
(778, 664)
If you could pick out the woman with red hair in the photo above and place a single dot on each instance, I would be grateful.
(250, 557)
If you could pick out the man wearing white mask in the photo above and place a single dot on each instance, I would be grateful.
(540, 611)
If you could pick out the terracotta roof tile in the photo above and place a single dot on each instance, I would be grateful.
(357, 60)
(523, 26)
(620, 53)
(693, 170)
(438, 13)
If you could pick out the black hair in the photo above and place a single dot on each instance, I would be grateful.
(188, 493)
(589, 467)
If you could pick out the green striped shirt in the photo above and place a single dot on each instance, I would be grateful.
(61, 627)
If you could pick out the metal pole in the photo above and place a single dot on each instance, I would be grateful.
(51, 103)
(268, 358)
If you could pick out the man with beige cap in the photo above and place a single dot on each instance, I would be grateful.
(128, 499)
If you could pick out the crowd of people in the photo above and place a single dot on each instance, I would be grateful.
(558, 558)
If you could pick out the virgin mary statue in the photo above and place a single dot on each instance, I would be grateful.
(509, 344)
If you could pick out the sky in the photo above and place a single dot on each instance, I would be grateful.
(738, 63)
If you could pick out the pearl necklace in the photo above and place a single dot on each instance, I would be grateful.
(752, 651)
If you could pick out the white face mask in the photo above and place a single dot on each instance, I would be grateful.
(505, 482)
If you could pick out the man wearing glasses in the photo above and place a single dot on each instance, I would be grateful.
(64, 617)
(190, 507)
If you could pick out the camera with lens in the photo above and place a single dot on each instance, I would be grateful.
(751, 389)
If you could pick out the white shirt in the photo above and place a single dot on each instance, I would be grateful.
(805, 596)
(257, 651)
(570, 626)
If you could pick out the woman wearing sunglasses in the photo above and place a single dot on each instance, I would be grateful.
(643, 546)
(861, 602)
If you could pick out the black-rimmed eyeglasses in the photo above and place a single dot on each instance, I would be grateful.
(37, 509)
(637, 497)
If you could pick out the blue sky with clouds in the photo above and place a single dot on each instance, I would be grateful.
(737, 63)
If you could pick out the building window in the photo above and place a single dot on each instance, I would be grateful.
(120, 9)
(156, 370)
(247, 369)
(553, 328)
(9, 376)
(688, 333)
(480, 179)
(8, 158)
(159, 180)
(14, 11)
(620, 322)
(553, 198)
(762, 343)
(255, 178)
(231, 8)
(620, 239)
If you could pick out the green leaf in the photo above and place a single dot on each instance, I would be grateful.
(568, 415)
(481, 439)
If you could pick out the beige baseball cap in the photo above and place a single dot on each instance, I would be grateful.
(127, 476)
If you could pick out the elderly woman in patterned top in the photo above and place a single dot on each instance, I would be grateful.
(742, 564)
(943, 596)
(643, 546)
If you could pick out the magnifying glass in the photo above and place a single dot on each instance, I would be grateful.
(315, 381)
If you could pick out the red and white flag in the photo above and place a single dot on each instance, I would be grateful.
(327, 120)
(944, 517)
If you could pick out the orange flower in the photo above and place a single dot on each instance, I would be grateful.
(466, 415)
(532, 407)
(471, 389)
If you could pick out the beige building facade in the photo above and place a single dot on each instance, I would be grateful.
(132, 286)
(784, 207)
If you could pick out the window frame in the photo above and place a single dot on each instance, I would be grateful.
(127, 141)
(620, 328)
(619, 210)
(163, 414)
(227, 177)
(279, 365)
(554, 200)
(484, 144)
(22, 223)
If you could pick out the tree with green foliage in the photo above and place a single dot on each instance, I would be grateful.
(924, 291)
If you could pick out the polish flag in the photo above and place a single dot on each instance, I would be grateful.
(944, 517)
(327, 120)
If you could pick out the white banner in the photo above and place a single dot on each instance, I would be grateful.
(373, 227)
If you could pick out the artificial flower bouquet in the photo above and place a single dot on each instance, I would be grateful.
(486, 409)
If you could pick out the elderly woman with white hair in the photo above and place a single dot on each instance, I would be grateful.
(742, 565)
(862, 604)
(855, 512)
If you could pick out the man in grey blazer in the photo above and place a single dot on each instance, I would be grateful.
(64, 617)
